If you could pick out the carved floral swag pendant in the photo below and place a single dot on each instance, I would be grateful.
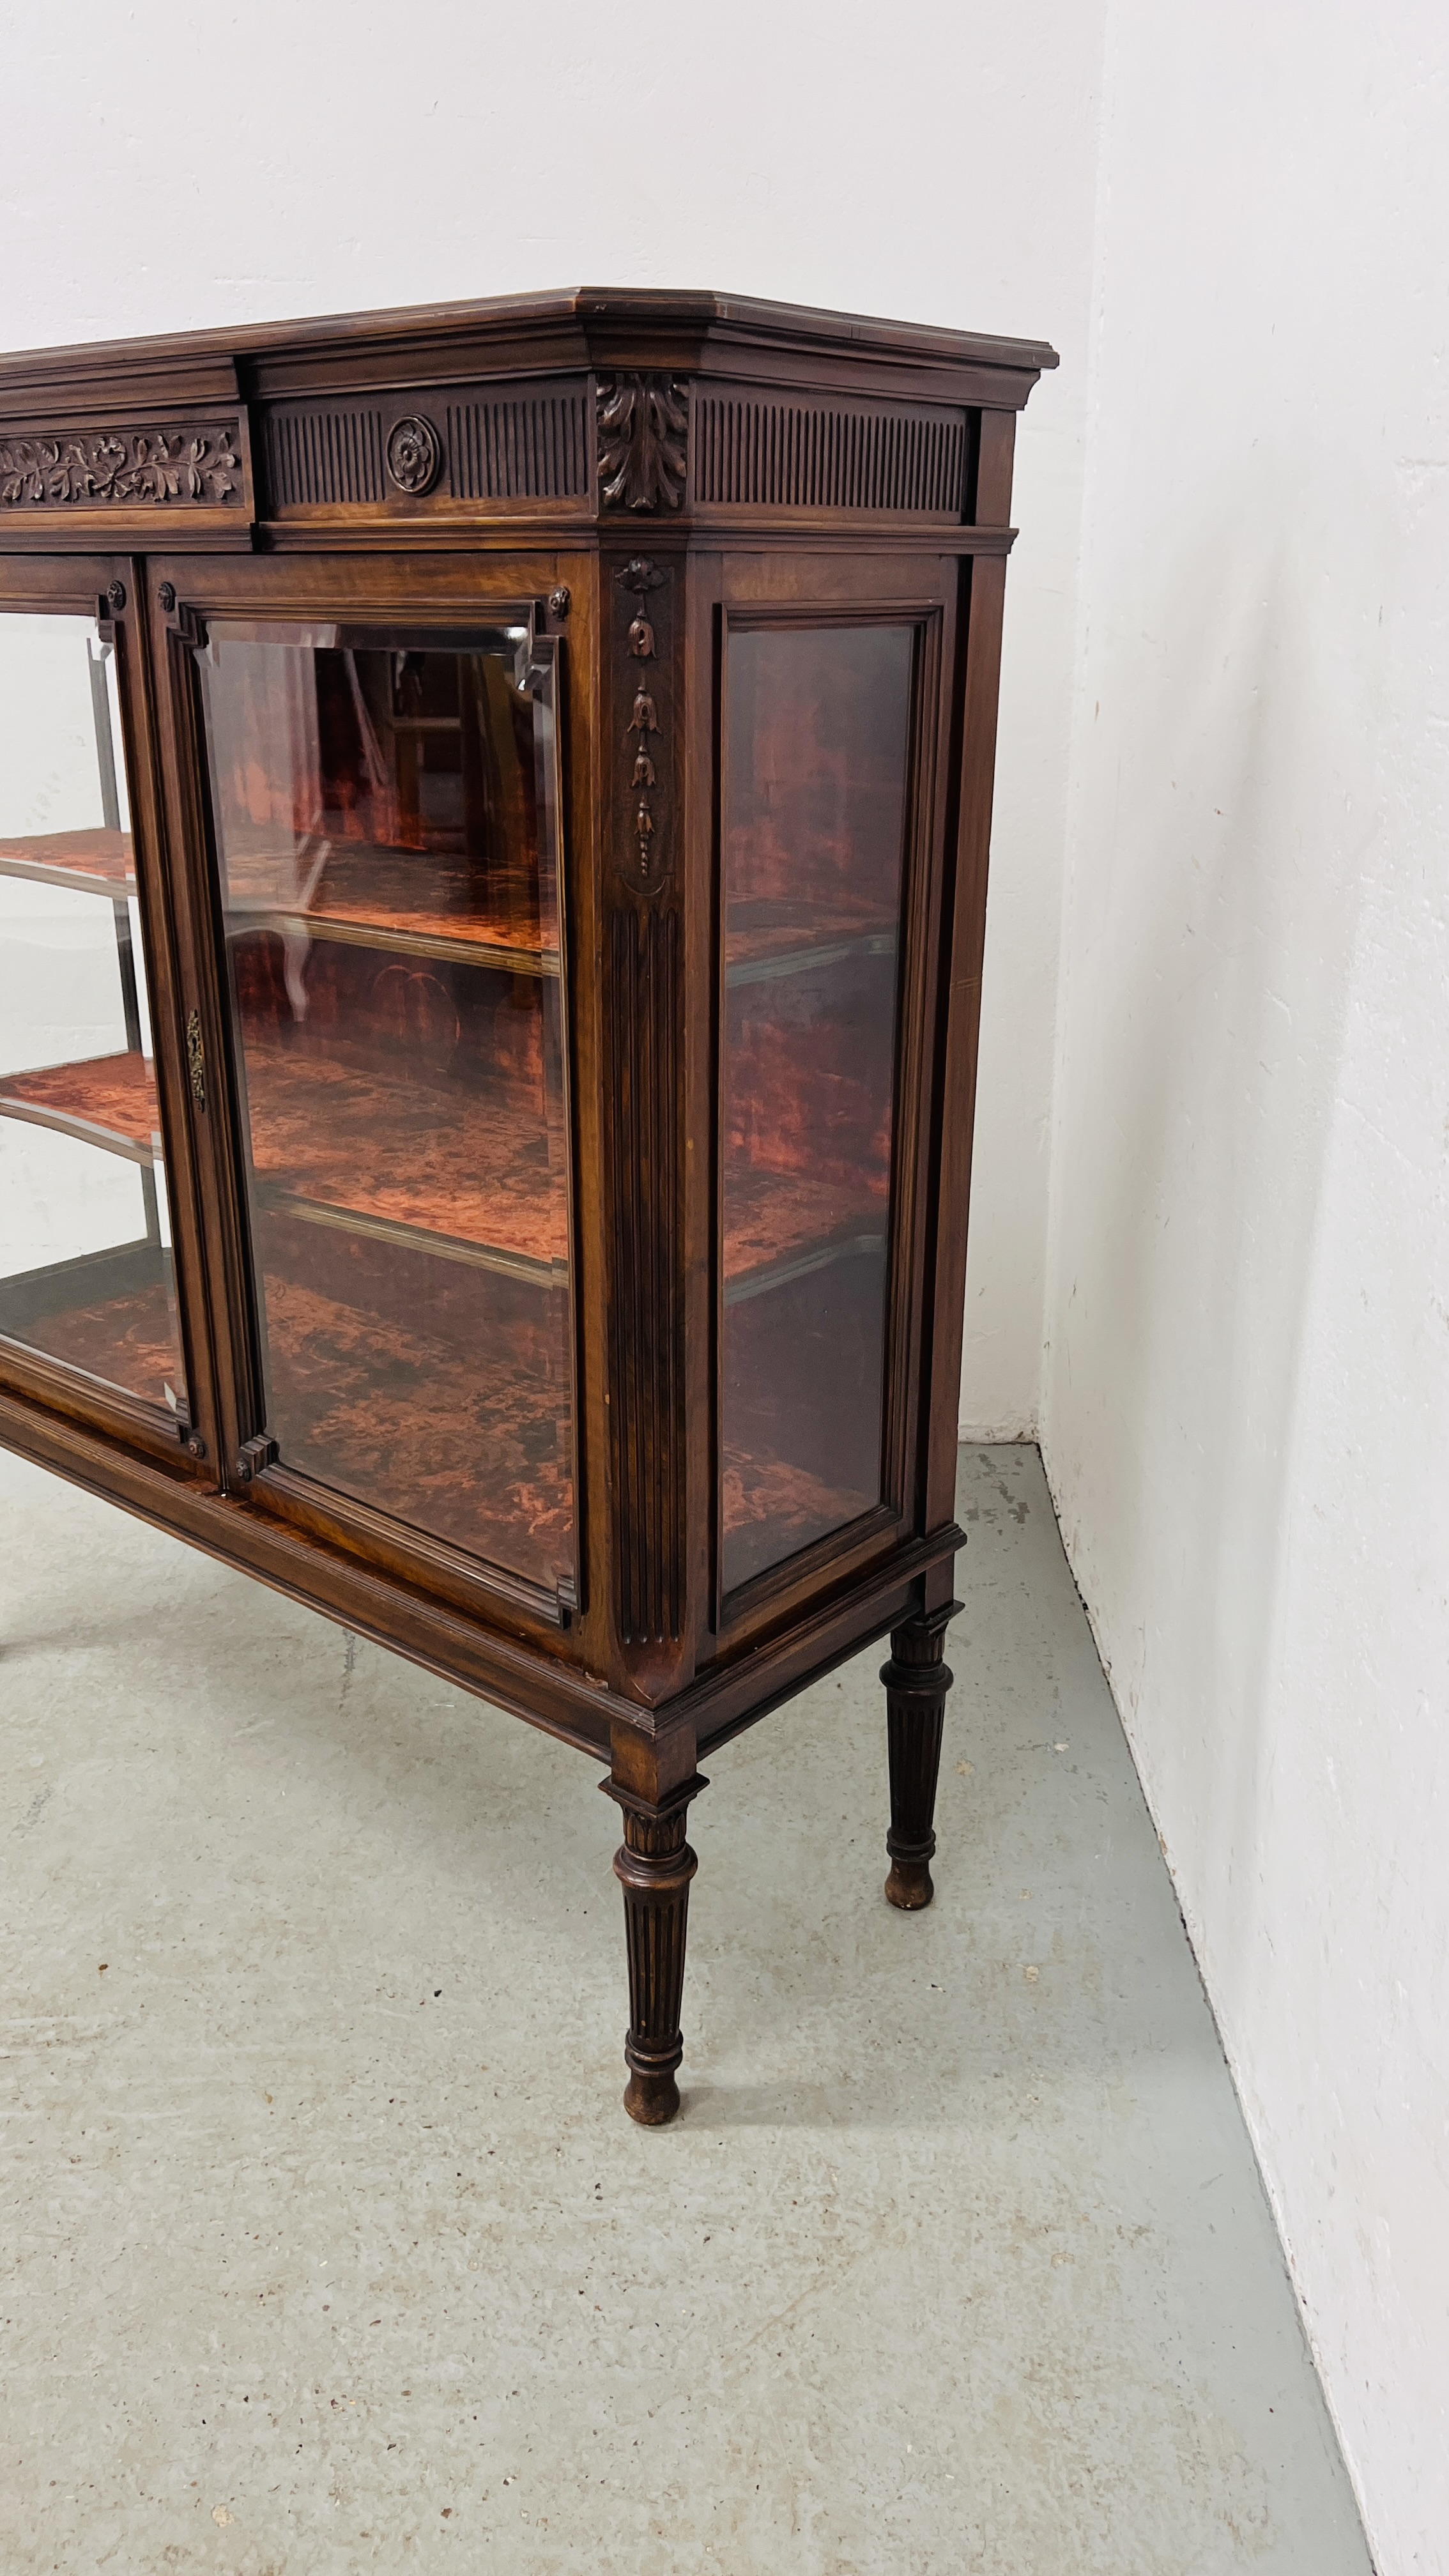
(641, 577)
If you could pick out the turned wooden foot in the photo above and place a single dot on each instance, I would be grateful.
(654, 1866)
(916, 1682)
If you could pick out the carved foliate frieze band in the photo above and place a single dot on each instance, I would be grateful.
(643, 425)
(119, 468)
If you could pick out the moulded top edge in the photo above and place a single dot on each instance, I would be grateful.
(631, 325)
(816, 325)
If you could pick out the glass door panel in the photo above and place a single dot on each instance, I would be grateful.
(86, 1272)
(817, 754)
(385, 822)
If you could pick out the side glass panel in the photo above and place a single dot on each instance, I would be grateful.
(816, 759)
(85, 1239)
(385, 822)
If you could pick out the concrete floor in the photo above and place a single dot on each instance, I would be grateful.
(328, 2247)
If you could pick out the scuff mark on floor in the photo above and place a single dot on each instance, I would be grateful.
(35, 1810)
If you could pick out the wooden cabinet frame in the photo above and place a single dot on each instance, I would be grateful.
(629, 481)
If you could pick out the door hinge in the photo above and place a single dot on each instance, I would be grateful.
(253, 1456)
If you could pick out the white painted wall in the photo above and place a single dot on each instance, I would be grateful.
(933, 161)
(1246, 1415)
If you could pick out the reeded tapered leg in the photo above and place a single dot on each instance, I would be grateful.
(654, 1866)
(916, 1683)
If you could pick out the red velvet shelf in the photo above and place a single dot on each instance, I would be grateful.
(342, 1134)
(349, 1141)
(107, 1100)
(771, 1507)
(127, 1341)
(371, 1399)
(776, 1223)
(97, 862)
(461, 1438)
(340, 1139)
(370, 895)
(783, 938)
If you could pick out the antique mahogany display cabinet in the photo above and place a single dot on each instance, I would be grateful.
(494, 807)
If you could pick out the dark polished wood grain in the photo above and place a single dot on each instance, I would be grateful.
(643, 896)
(564, 1071)
(916, 1682)
(654, 1866)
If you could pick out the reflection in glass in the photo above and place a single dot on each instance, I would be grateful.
(85, 1240)
(383, 807)
(818, 724)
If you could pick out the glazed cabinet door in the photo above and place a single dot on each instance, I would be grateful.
(367, 768)
(94, 1155)
(829, 846)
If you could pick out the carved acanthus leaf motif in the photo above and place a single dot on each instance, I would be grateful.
(643, 423)
(117, 467)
